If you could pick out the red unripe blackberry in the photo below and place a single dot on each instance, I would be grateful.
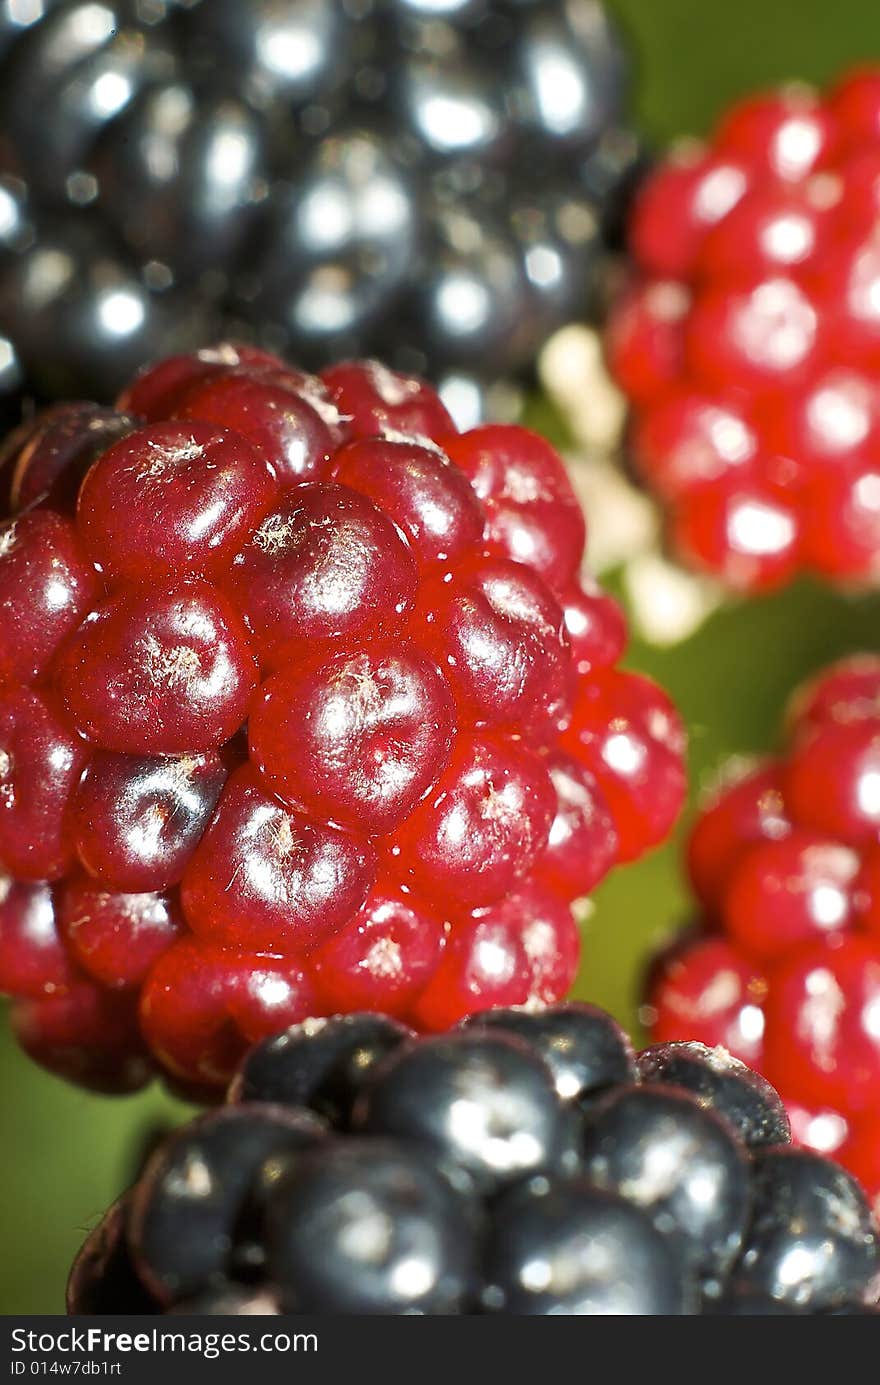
(748, 341)
(785, 862)
(305, 707)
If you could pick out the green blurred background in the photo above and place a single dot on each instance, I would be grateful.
(64, 1155)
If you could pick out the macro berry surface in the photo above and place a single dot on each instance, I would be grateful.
(307, 705)
(438, 184)
(524, 1162)
(749, 340)
(784, 966)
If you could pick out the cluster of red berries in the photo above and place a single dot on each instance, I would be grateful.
(750, 343)
(304, 708)
(784, 970)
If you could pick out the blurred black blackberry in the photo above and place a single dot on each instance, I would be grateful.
(436, 181)
(523, 1163)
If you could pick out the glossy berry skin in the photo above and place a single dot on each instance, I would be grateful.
(689, 194)
(266, 878)
(293, 427)
(756, 335)
(705, 986)
(376, 400)
(747, 809)
(139, 818)
(158, 387)
(323, 1064)
(550, 936)
(691, 436)
(482, 826)
(336, 1264)
(828, 780)
(200, 1006)
(807, 1202)
(555, 1224)
(744, 530)
(53, 451)
(181, 1224)
(499, 635)
(820, 1129)
(629, 735)
(783, 966)
(848, 543)
(754, 400)
(862, 1155)
(854, 101)
(723, 1084)
(173, 499)
(848, 274)
(533, 516)
(418, 1092)
(42, 759)
(595, 626)
(582, 838)
(623, 1137)
(385, 956)
(116, 938)
(773, 229)
(584, 1048)
(46, 587)
(789, 131)
(33, 959)
(788, 892)
(296, 581)
(829, 425)
(161, 672)
(417, 486)
(848, 691)
(303, 200)
(86, 1034)
(154, 390)
(820, 1041)
(308, 708)
(376, 732)
(644, 339)
(486, 962)
(527, 1162)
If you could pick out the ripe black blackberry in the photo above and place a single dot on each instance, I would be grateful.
(522, 1164)
(339, 176)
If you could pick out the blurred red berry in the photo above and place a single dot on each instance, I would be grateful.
(748, 339)
(785, 863)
